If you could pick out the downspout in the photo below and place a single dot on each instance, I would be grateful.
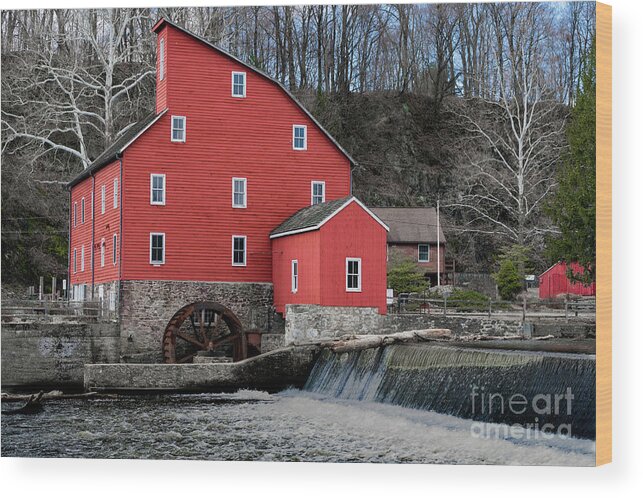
(69, 250)
(91, 247)
(350, 180)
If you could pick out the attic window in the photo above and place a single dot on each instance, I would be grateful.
(238, 84)
(299, 137)
(161, 59)
(178, 128)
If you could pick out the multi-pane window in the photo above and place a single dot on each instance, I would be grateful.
(102, 252)
(114, 248)
(82, 210)
(115, 192)
(82, 257)
(102, 199)
(157, 248)
(157, 189)
(161, 59)
(178, 128)
(75, 213)
(423, 253)
(299, 137)
(238, 250)
(75, 260)
(294, 275)
(353, 274)
(238, 84)
(239, 192)
(318, 192)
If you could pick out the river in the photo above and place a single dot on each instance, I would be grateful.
(290, 426)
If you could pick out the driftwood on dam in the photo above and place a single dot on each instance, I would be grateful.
(346, 344)
(32, 406)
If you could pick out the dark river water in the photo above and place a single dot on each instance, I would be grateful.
(289, 426)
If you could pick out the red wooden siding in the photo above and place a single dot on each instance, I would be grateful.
(161, 84)
(555, 282)
(322, 254)
(411, 251)
(226, 137)
(105, 226)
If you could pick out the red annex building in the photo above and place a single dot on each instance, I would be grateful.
(554, 282)
(182, 206)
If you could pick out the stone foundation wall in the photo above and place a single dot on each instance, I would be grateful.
(53, 354)
(148, 305)
(305, 323)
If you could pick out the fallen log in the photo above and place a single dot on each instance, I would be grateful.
(32, 406)
(52, 395)
(357, 343)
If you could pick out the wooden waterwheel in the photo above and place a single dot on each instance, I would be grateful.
(203, 326)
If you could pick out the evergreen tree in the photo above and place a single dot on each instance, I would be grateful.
(573, 208)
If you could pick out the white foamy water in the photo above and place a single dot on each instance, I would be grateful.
(289, 426)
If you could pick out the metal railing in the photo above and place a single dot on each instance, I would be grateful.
(43, 309)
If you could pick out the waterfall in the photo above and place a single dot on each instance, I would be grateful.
(546, 391)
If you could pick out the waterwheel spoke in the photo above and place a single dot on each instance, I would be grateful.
(187, 358)
(223, 340)
(189, 339)
(202, 326)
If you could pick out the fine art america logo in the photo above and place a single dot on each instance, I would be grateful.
(533, 417)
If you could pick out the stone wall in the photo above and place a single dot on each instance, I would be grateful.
(147, 306)
(305, 323)
(47, 354)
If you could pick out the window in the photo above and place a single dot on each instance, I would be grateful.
(161, 59)
(178, 129)
(157, 189)
(318, 192)
(82, 211)
(115, 193)
(353, 274)
(239, 192)
(102, 199)
(114, 248)
(75, 213)
(82, 257)
(423, 253)
(294, 267)
(102, 252)
(238, 84)
(75, 260)
(157, 248)
(299, 137)
(238, 250)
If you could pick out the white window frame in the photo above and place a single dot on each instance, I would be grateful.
(359, 275)
(161, 59)
(75, 214)
(82, 258)
(102, 252)
(157, 262)
(75, 260)
(294, 127)
(245, 192)
(312, 191)
(115, 249)
(115, 193)
(152, 201)
(102, 199)
(294, 276)
(235, 73)
(245, 250)
(428, 254)
(82, 211)
(185, 126)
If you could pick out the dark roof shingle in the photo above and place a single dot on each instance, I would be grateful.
(410, 225)
(310, 216)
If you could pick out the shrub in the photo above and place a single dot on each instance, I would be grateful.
(509, 280)
(406, 277)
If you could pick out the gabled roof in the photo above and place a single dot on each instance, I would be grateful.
(411, 225)
(162, 21)
(113, 151)
(313, 217)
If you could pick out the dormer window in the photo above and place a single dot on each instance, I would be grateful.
(178, 128)
(299, 141)
(161, 59)
(238, 84)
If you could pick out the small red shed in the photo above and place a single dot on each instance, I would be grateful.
(330, 254)
(554, 282)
